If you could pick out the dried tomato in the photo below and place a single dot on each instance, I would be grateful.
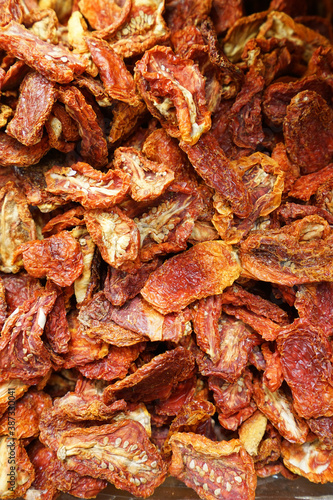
(306, 359)
(58, 257)
(173, 90)
(206, 269)
(82, 183)
(115, 234)
(37, 95)
(307, 131)
(154, 380)
(213, 470)
(55, 62)
(148, 179)
(140, 473)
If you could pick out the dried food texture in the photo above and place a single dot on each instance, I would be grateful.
(120, 286)
(203, 270)
(148, 179)
(58, 257)
(37, 95)
(13, 153)
(234, 343)
(17, 227)
(144, 28)
(297, 253)
(117, 80)
(311, 460)
(23, 354)
(213, 166)
(51, 476)
(54, 62)
(307, 129)
(154, 380)
(28, 409)
(105, 17)
(83, 184)
(13, 452)
(115, 234)
(174, 92)
(263, 179)
(93, 145)
(306, 359)
(120, 453)
(279, 411)
(213, 469)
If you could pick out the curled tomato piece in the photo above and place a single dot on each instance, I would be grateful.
(34, 105)
(22, 352)
(311, 460)
(115, 234)
(148, 179)
(55, 62)
(174, 91)
(51, 476)
(144, 28)
(213, 166)
(279, 411)
(18, 227)
(24, 470)
(297, 253)
(105, 16)
(154, 380)
(206, 269)
(263, 179)
(205, 316)
(28, 410)
(121, 453)
(58, 257)
(121, 286)
(118, 81)
(14, 153)
(308, 131)
(234, 343)
(82, 183)
(306, 358)
(215, 470)
(93, 145)
(166, 227)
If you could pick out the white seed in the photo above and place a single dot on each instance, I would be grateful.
(137, 481)
(64, 59)
(105, 441)
(205, 467)
(104, 465)
(117, 442)
(153, 464)
(111, 468)
(126, 443)
(217, 492)
(228, 486)
(191, 464)
(238, 479)
(205, 486)
(49, 58)
(219, 479)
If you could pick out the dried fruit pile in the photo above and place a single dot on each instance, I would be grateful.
(166, 245)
